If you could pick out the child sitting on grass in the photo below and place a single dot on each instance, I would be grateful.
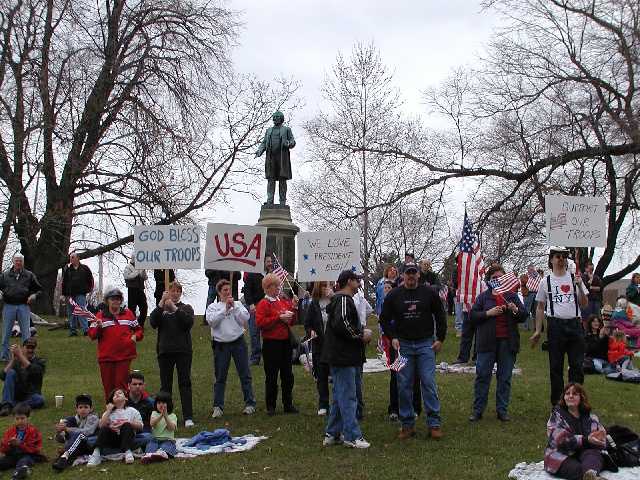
(21, 444)
(118, 427)
(73, 432)
(618, 353)
(163, 427)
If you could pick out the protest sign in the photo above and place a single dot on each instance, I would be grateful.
(576, 221)
(167, 246)
(323, 255)
(235, 248)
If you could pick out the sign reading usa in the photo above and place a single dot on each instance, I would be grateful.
(235, 247)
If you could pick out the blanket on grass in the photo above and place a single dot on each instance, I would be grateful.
(535, 471)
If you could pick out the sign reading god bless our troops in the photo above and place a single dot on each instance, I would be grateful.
(323, 255)
(167, 246)
(235, 248)
(576, 221)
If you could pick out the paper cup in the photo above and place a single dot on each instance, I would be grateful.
(59, 400)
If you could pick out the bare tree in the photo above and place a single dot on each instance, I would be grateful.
(553, 108)
(128, 110)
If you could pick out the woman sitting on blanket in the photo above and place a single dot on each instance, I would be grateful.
(117, 428)
(575, 438)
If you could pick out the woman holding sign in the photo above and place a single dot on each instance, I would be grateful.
(274, 317)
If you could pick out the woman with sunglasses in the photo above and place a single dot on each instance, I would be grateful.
(560, 297)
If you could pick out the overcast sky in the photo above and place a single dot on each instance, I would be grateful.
(419, 41)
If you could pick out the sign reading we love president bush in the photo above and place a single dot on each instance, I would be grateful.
(323, 255)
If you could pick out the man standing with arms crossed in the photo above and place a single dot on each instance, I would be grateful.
(409, 313)
(559, 298)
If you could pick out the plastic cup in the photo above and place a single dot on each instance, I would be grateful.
(59, 400)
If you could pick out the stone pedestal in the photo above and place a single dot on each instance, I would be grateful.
(281, 234)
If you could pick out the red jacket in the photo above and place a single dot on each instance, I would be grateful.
(114, 337)
(268, 318)
(32, 443)
(617, 350)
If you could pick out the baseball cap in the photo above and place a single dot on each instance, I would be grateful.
(347, 275)
(411, 267)
(113, 292)
(30, 341)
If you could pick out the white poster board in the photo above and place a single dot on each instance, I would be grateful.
(576, 221)
(235, 248)
(323, 255)
(167, 246)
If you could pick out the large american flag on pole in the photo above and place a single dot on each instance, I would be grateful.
(470, 266)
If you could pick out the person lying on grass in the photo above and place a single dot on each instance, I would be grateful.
(118, 427)
(163, 427)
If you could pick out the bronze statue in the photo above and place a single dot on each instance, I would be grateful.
(277, 142)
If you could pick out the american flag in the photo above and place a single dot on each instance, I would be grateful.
(505, 283)
(399, 363)
(279, 271)
(534, 281)
(79, 311)
(470, 266)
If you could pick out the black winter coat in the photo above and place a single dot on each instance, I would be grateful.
(343, 345)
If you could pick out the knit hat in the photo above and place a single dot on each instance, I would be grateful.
(112, 292)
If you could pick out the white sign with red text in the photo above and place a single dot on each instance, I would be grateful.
(235, 248)
(576, 221)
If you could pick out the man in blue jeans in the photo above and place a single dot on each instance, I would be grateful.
(23, 378)
(343, 349)
(19, 288)
(77, 282)
(228, 319)
(408, 316)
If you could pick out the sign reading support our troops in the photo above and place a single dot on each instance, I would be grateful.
(323, 255)
(576, 221)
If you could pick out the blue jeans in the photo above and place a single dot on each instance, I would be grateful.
(458, 320)
(505, 359)
(35, 400)
(75, 320)
(342, 415)
(254, 333)
(168, 446)
(360, 408)
(529, 303)
(10, 314)
(222, 353)
(421, 357)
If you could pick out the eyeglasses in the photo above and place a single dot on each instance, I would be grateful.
(561, 255)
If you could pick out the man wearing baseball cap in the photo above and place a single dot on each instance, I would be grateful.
(560, 296)
(408, 316)
(343, 349)
(22, 377)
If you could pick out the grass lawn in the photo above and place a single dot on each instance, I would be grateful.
(486, 450)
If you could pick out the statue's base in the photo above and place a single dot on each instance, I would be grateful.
(281, 233)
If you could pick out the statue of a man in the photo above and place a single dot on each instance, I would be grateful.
(277, 166)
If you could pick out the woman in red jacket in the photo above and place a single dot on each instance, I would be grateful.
(274, 316)
(117, 332)
(618, 352)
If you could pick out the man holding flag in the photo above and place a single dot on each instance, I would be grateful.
(408, 315)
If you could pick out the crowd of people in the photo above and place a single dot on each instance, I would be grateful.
(411, 304)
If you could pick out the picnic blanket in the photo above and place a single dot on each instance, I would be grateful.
(535, 471)
(444, 367)
(232, 445)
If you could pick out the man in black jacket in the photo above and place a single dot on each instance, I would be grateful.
(343, 350)
(19, 288)
(23, 377)
(253, 293)
(77, 282)
(408, 316)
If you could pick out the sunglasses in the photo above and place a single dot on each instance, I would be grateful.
(561, 255)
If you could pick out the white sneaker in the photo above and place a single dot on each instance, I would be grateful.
(359, 443)
(128, 457)
(322, 412)
(188, 423)
(330, 440)
(249, 410)
(393, 417)
(94, 460)
(217, 412)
